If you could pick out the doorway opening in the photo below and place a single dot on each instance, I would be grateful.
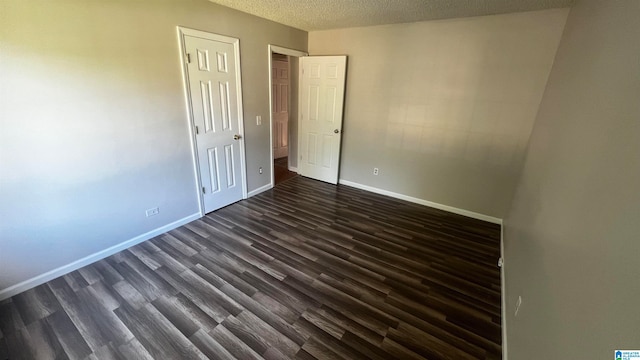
(283, 94)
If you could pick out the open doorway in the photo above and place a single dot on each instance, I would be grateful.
(283, 93)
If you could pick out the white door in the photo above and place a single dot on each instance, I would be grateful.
(280, 106)
(213, 77)
(320, 116)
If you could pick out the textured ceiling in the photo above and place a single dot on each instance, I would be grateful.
(333, 14)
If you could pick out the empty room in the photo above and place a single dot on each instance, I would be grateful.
(288, 179)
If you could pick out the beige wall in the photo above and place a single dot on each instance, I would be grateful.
(443, 108)
(572, 237)
(94, 128)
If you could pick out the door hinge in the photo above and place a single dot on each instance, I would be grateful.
(204, 191)
(500, 262)
(197, 131)
(188, 58)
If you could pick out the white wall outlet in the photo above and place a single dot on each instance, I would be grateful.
(152, 211)
(518, 303)
(260, 170)
(376, 171)
(258, 120)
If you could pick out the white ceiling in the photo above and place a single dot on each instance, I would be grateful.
(312, 15)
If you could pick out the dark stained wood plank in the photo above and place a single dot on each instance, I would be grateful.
(70, 339)
(10, 319)
(157, 334)
(36, 304)
(134, 350)
(233, 344)
(19, 345)
(4, 351)
(44, 341)
(210, 347)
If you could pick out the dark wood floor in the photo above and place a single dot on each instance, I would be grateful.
(281, 170)
(305, 271)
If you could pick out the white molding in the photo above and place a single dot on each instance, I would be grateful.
(271, 161)
(287, 51)
(284, 51)
(503, 295)
(259, 190)
(65, 269)
(294, 169)
(432, 204)
(182, 32)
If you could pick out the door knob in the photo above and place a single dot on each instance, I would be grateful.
(236, 137)
(336, 131)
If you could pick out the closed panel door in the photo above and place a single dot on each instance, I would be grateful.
(213, 86)
(320, 123)
(280, 107)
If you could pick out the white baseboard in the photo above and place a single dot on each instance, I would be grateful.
(65, 269)
(448, 208)
(503, 296)
(294, 169)
(259, 190)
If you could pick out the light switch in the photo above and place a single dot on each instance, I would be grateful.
(258, 120)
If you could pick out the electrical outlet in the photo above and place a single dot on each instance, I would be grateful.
(258, 120)
(152, 211)
(518, 303)
(260, 170)
(375, 171)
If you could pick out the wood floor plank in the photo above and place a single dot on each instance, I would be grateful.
(233, 344)
(134, 350)
(4, 351)
(73, 343)
(44, 341)
(210, 347)
(10, 319)
(36, 304)
(307, 270)
(19, 345)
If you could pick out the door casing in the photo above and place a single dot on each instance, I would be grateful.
(182, 32)
(284, 51)
(281, 115)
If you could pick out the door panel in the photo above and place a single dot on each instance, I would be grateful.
(321, 108)
(216, 113)
(280, 108)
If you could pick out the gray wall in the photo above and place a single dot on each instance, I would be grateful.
(572, 236)
(443, 108)
(94, 128)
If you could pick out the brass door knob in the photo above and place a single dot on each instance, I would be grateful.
(336, 131)
(236, 137)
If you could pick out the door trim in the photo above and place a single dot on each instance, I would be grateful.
(182, 32)
(284, 51)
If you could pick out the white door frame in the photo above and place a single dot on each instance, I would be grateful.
(182, 32)
(284, 51)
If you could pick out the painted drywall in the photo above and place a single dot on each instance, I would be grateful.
(94, 125)
(443, 108)
(572, 235)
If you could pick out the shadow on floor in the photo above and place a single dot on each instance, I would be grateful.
(281, 170)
